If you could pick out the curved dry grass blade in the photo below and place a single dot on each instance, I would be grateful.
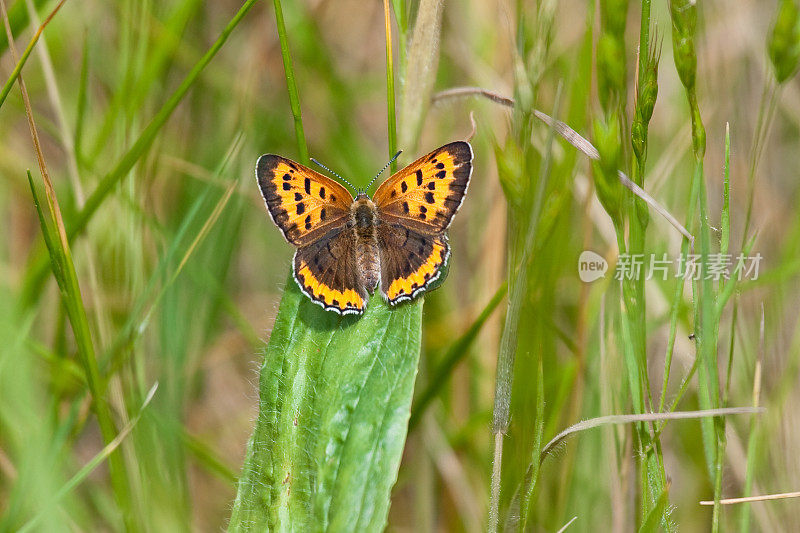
(565, 526)
(641, 193)
(462, 92)
(750, 499)
(576, 140)
(647, 417)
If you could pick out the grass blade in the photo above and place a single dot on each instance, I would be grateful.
(28, 49)
(391, 120)
(291, 85)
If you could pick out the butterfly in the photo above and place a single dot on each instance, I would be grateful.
(346, 247)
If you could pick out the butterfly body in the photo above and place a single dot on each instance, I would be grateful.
(365, 220)
(348, 247)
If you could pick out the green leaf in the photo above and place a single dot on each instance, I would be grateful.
(335, 394)
(655, 515)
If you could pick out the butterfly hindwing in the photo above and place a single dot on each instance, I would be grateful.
(303, 203)
(326, 272)
(410, 261)
(427, 193)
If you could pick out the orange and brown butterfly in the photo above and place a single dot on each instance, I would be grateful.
(346, 247)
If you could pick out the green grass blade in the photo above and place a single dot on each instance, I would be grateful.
(64, 271)
(725, 225)
(28, 49)
(335, 397)
(653, 519)
(291, 85)
(18, 18)
(83, 100)
(390, 108)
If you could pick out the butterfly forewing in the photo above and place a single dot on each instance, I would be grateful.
(303, 203)
(426, 194)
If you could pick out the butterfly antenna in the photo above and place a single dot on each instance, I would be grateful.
(335, 174)
(384, 168)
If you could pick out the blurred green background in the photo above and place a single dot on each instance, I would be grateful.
(181, 270)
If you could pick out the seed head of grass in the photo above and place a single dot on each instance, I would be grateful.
(684, 22)
(784, 41)
(607, 137)
(646, 94)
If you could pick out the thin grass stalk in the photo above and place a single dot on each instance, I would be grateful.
(536, 450)
(755, 433)
(291, 85)
(390, 107)
(37, 272)
(83, 100)
(684, 20)
(54, 95)
(400, 15)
